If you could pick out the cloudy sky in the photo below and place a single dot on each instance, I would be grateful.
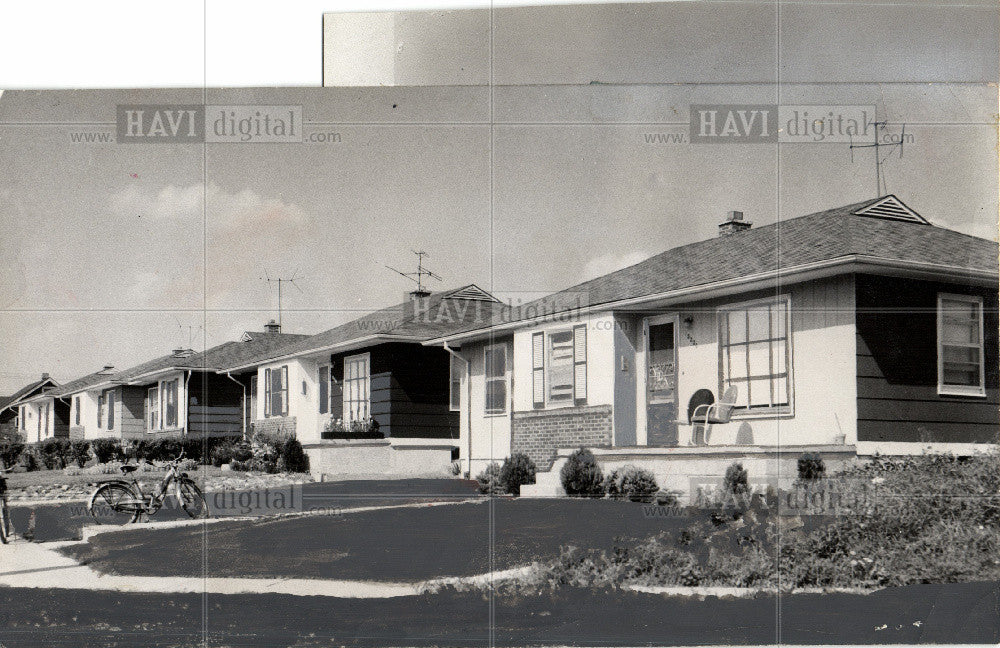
(115, 253)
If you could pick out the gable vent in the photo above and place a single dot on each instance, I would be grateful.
(891, 208)
(471, 292)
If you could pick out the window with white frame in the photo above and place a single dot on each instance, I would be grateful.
(153, 408)
(754, 355)
(168, 403)
(495, 358)
(559, 367)
(276, 391)
(357, 387)
(457, 368)
(961, 363)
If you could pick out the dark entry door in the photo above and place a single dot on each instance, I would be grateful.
(661, 384)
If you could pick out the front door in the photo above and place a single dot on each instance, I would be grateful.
(661, 382)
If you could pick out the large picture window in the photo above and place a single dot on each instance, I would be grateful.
(960, 345)
(496, 379)
(357, 387)
(755, 355)
(276, 391)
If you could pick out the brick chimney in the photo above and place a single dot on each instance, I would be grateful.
(272, 327)
(45, 376)
(108, 369)
(734, 223)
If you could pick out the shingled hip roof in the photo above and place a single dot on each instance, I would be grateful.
(828, 238)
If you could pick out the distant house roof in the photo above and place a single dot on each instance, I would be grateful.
(417, 320)
(44, 383)
(880, 232)
(213, 359)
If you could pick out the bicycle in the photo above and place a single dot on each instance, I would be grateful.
(6, 529)
(121, 502)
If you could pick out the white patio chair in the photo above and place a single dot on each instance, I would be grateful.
(716, 413)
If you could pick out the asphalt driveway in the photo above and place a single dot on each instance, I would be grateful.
(394, 545)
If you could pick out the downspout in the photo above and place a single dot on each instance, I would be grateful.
(246, 405)
(187, 406)
(468, 405)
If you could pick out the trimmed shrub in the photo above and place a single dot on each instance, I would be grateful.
(736, 481)
(56, 453)
(489, 480)
(29, 459)
(106, 450)
(230, 451)
(581, 475)
(632, 483)
(11, 447)
(518, 469)
(81, 452)
(811, 467)
(293, 458)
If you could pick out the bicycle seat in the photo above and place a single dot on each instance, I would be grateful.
(127, 469)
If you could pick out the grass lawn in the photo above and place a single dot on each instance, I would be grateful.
(46, 478)
(406, 544)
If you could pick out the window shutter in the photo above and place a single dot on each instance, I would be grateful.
(538, 369)
(284, 390)
(324, 389)
(580, 364)
(267, 392)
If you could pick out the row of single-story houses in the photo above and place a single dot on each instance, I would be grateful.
(858, 330)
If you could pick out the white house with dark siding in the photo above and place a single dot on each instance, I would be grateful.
(847, 332)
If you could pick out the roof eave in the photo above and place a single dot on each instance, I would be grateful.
(854, 263)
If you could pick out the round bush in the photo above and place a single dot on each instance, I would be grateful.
(811, 467)
(581, 475)
(293, 457)
(81, 452)
(517, 470)
(489, 480)
(736, 481)
(107, 450)
(633, 483)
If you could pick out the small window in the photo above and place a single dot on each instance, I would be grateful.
(109, 408)
(961, 363)
(496, 379)
(153, 408)
(559, 376)
(168, 398)
(455, 384)
(276, 391)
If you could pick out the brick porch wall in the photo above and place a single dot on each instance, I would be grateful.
(275, 424)
(540, 433)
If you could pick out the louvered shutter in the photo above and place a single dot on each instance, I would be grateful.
(267, 392)
(580, 364)
(538, 369)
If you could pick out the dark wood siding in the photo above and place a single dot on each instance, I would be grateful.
(897, 366)
(60, 420)
(215, 405)
(409, 391)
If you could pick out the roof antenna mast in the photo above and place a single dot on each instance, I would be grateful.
(880, 188)
(282, 280)
(419, 275)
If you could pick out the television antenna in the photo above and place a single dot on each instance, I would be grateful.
(419, 275)
(880, 188)
(190, 330)
(282, 280)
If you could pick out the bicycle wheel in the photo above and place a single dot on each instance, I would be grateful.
(115, 503)
(191, 498)
(5, 529)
